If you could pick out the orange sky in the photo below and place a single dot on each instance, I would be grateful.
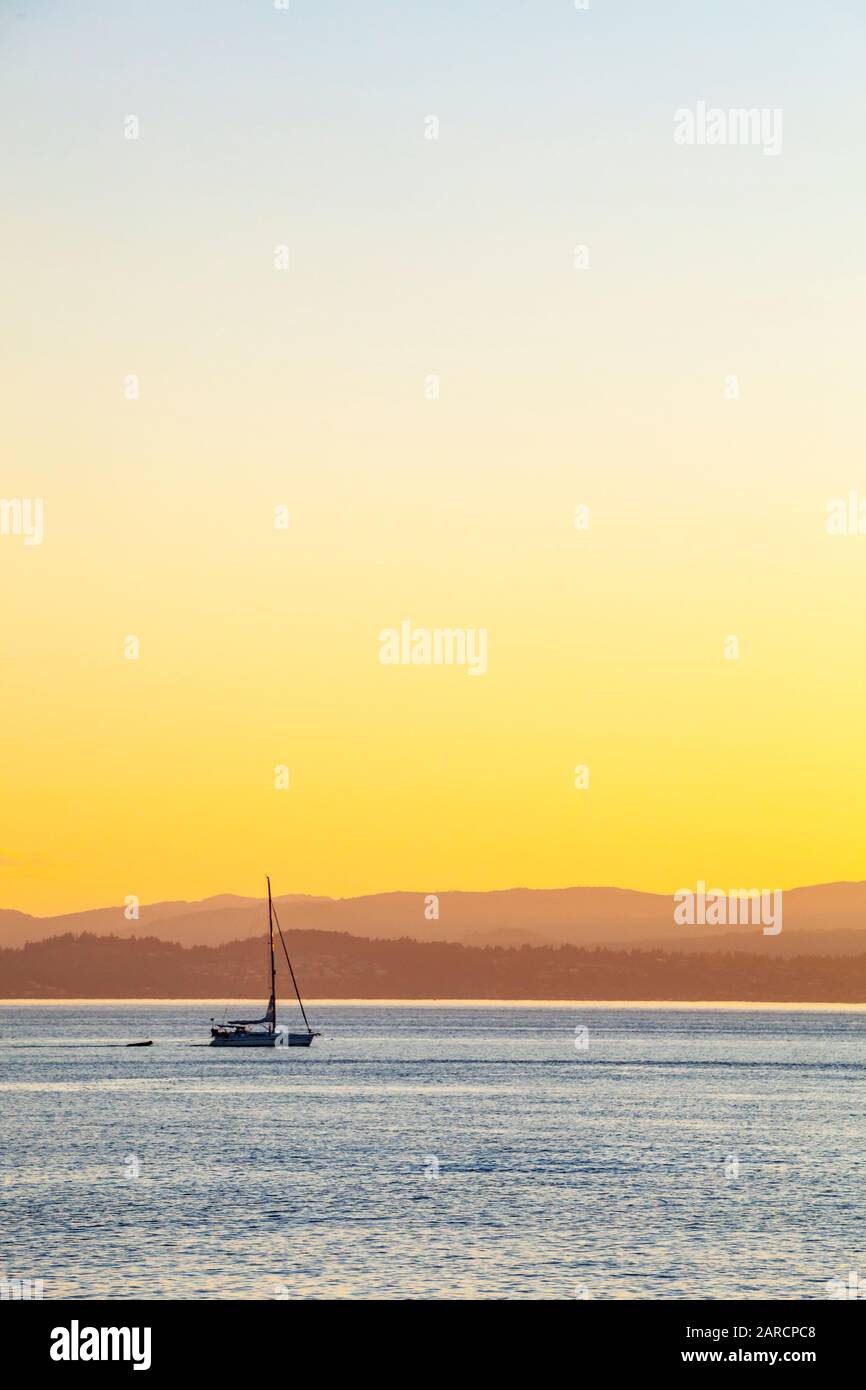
(448, 504)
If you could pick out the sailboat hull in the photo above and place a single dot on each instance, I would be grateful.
(281, 1037)
(232, 1039)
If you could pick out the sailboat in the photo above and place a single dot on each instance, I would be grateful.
(265, 1032)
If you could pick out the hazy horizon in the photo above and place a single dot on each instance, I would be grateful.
(312, 893)
(674, 1005)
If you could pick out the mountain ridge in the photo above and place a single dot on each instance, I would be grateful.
(833, 913)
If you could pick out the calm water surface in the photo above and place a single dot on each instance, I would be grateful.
(434, 1152)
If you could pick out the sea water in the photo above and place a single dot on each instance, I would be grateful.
(434, 1151)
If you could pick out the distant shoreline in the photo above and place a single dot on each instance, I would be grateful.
(671, 1005)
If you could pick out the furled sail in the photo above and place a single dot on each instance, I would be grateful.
(270, 1015)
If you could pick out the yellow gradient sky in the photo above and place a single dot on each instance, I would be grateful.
(558, 387)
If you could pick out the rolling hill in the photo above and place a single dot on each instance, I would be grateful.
(342, 966)
(828, 919)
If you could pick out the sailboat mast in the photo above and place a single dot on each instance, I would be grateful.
(273, 1006)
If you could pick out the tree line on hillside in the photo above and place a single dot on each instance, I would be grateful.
(338, 965)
